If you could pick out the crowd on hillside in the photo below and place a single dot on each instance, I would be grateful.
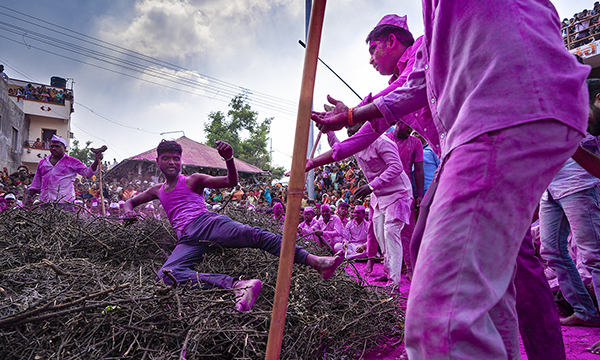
(582, 28)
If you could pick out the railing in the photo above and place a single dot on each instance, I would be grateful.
(36, 144)
(574, 38)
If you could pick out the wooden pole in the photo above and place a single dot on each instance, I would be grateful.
(101, 192)
(296, 184)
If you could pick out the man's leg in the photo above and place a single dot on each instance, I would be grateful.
(393, 228)
(538, 317)
(181, 263)
(554, 232)
(406, 235)
(582, 209)
(487, 192)
(379, 230)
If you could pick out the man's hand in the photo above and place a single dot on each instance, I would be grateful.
(331, 120)
(418, 200)
(225, 150)
(99, 153)
(360, 249)
(319, 233)
(363, 191)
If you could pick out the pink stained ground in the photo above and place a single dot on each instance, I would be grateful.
(576, 338)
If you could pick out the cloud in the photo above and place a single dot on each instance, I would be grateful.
(186, 29)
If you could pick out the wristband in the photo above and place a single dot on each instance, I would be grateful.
(227, 159)
(351, 116)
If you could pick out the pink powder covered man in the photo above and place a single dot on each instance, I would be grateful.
(391, 199)
(55, 174)
(305, 228)
(329, 228)
(502, 141)
(410, 150)
(200, 231)
(355, 235)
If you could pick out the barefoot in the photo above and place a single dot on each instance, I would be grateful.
(369, 267)
(246, 292)
(594, 349)
(325, 265)
(573, 320)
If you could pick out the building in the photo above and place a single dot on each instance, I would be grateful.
(34, 112)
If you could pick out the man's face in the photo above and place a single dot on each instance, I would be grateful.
(343, 211)
(382, 59)
(308, 216)
(169, 163)
(402, 131)
(10, 203)
(359, 216)
(326, 213)
(57, 148)
(277, 211)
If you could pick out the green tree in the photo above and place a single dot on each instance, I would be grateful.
(241, 119)
(84, 154)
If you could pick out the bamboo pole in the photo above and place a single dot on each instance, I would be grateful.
(296, 184)
(101, 190)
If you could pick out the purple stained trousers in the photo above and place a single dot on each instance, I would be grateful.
(463, 303)
(210, 232)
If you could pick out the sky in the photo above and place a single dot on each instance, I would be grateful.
(142, 68)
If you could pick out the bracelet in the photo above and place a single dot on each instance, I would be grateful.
(351, 116)
(227, 159)
(370, 187)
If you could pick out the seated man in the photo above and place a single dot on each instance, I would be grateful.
(355, 235)
(199, 230)
(328, 228)
(305, 227)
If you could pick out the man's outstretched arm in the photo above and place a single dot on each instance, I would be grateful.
(200, 181)
(148, 195)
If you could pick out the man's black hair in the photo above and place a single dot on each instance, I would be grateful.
(593, 88)
(168, 146)
(381, 32)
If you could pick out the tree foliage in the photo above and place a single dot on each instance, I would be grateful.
(241, 120)
(85, 155)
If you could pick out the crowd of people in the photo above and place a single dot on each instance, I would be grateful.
(582, 28)
(41, 93)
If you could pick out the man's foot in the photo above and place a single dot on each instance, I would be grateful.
(381, 278)
(594, 349)
(573, 320)
(325, 265)
(246, 292)
(369, 267)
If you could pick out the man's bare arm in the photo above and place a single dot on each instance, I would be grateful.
(589, 161)
(148, 195)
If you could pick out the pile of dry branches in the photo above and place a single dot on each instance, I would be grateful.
(81, 287)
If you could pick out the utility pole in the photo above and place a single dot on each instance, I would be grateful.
(310, 179)
(271, 161)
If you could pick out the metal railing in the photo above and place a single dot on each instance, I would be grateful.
(574, 38)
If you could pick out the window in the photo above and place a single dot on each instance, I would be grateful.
(47, 134)
(15, 139)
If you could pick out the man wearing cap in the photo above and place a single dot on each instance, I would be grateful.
(11, 201)
(501, 141)
(355, 235)
(305, 227)
(391, 199)
(328, 228)
(55, 175)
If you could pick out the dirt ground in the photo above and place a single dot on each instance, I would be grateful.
(576, 338)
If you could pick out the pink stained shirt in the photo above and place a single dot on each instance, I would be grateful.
(55, 182)
(355, 232)
(305, 228)
(332, 231)
(477, 80)
(409, 149)
(381, 165)
(181, 204)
